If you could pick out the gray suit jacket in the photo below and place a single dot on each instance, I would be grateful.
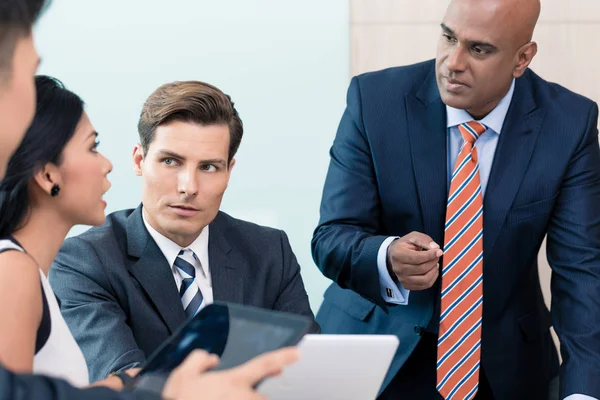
(121, 302)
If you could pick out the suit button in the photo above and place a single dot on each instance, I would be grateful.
(418, 330)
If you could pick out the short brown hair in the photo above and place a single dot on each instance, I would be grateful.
(190, 101)
(16, 19)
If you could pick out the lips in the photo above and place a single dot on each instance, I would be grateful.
(184, 210)
(102, 197)
(184, 207)
(454, 86)
(455, 82)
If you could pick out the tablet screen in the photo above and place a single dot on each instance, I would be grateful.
(233, 332)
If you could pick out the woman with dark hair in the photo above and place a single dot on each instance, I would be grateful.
(55, 180)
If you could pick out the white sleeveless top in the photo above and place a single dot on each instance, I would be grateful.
(57, 353)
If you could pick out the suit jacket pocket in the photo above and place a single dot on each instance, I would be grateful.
(350, 302)
(534, 325)
(537, 208)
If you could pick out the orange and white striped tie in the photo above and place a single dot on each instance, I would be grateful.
(459, 341)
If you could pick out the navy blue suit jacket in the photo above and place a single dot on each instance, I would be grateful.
(387, 176)
(35, 387)
(120, 300)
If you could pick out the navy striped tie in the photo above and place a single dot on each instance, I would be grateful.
(191, 296)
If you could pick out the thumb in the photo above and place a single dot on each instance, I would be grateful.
(266, 365)
(198, 361)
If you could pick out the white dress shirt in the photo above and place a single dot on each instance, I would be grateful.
(199, 246)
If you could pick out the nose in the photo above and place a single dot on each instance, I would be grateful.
(456, 60)
(108, 167)
(188, 184)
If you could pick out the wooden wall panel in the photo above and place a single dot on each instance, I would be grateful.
(387, 33)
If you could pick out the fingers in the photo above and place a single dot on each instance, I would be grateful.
(421, 240)
(199, 361)
(133, 372)
(266, 365)
(415, 260)
(412, 257)
(421, 282)
(407, 251)
(419, 270)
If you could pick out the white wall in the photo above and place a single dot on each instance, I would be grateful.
(285, 63)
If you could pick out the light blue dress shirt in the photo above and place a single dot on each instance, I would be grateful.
(393, 292)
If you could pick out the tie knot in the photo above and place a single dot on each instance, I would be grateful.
(184, 263)
(471, 131)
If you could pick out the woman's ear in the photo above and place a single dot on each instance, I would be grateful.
(47, 178)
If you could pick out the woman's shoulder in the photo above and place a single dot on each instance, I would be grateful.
(13, 255)
(8, 243)
(19, 273)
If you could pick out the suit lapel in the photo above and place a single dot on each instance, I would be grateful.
(153, 272)
(427, 135)
(513, 153)
(226, 267)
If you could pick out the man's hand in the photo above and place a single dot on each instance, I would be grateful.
(191, 381)
(414, 260)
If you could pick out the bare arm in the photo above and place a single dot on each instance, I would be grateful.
(20, 310)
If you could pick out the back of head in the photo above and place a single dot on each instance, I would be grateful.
(189, 101)
(16, 19)
(58, 111)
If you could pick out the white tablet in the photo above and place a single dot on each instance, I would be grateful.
(345, 367)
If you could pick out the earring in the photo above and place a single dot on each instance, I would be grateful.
(54, 191)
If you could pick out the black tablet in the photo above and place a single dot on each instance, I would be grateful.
(234, 332)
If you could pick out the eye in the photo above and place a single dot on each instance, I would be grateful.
(169, 161)
(94, 148)
(448, 38)
(208, 168)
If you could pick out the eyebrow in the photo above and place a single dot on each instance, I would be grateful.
(472, 43)
(170, 154)
(448, 30)
(219, 161)
(93, 134)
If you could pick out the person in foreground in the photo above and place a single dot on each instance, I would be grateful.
(126, 286)
(445, 177)
(18, 63)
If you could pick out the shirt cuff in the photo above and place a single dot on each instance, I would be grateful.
(580, 397)
(392, 291)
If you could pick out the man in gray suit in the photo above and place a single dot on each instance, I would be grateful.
(126, 286)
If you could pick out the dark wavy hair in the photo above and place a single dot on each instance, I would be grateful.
(58, 112)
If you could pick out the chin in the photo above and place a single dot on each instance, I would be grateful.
(455, 101)
(96, 220)
(185, 227)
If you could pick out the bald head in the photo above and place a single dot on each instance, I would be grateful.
(506, 20)
(484, 45)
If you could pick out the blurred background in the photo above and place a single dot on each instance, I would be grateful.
(286, 65)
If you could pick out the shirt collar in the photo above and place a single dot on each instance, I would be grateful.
(171, 249)
(494, 120)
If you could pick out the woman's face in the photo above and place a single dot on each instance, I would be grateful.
(82, 177)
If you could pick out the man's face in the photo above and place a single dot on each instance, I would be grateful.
(17, 99)
(185, 174)
(476, 58)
